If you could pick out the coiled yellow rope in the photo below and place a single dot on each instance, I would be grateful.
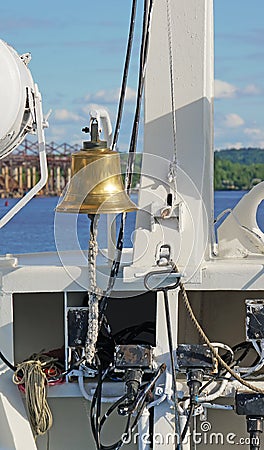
(30, 374)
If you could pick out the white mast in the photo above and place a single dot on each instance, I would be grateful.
(181, 45)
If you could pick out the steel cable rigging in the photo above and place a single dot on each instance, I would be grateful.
(132, 148)
(97, 421)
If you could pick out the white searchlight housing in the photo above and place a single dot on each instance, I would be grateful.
(20, 114)
(16, 86)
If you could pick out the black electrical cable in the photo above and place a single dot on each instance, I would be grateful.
(186, 426)
(125, 74)
(129, 429)
(112, 408)
(98, 422)
(92, 417)
(117, 445)
(7, 363)
(127, 335)
(207, 384)
(132, 147)
(132, 150)
(95, 406)
(246, 346)
(142, 69)
(99, 406)
(227, 357)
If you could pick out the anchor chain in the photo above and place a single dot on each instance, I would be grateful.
(94, 294)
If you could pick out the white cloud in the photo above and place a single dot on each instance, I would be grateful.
(110, 96)
(224, 89)
(236, 145)
(251, 89)
(256, 136)
(254, 132)
(233, 120)
(57, 131)
(87, 108)
(57, 134)
(63, 115)
(130, 94)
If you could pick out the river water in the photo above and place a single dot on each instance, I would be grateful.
(32, 229)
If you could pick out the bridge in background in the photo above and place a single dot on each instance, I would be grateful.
(20, 170)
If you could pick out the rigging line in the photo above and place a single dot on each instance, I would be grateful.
(125, 74)
(188, 421)
(148, 5)
(172, 170)
(131, 158)
(133, 141)
(7, 363)
(188, 307)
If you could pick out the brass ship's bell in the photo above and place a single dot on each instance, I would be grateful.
(96, 185)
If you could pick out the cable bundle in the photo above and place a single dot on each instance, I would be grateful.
(133, 416)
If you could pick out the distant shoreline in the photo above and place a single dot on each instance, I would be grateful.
(134, 191)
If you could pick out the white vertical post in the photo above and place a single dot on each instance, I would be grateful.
(20, 169)
(7, 179)
(58, 180)
(15, 174)
(28, 178)
(181, 43)
(34, 175)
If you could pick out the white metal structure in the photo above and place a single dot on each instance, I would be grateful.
(175, 221)
(20, 113)
(16, 85)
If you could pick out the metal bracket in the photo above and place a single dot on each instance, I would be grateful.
(133, 356)
(249, 404)
(190, 356)
(163, 255)
(255, 319)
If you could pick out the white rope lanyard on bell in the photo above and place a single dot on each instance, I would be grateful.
(93, 295)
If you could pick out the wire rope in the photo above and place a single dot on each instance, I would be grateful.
(132, 150)
(125, 74)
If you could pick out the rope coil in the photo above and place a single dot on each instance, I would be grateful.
(29, 376)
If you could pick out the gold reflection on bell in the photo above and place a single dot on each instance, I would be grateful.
(96, 186)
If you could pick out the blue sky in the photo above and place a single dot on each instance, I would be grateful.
(78, 53)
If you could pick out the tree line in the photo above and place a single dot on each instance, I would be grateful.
(238, 169)
(233, 169)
